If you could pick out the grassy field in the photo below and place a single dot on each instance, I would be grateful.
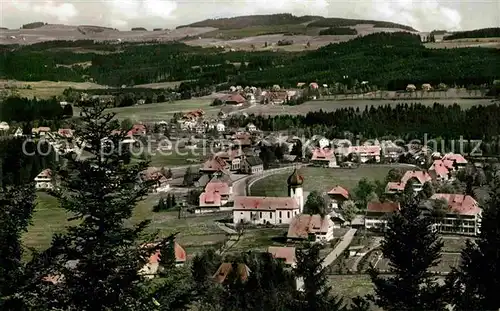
(462, 43)
(164, 111)
(350, 286)
(195, 233)
(332, 105)
(320, 179)
(44, 89)
(228, 34)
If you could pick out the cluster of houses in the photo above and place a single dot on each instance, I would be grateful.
(462, 215)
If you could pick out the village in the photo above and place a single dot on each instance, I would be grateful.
(234, 159)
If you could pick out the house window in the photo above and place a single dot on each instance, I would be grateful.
(280, 220)
(270, 214)
(288, 214)
(280, 214)
(260, 214)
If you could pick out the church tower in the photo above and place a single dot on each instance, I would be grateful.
(295, 182)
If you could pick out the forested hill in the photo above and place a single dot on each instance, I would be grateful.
(478, 33)
(387, 60)
(289, 19)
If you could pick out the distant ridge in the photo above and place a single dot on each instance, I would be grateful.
(239, 22)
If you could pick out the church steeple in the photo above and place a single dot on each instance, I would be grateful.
(295, 182)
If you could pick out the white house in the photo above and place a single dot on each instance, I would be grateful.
(377, 214)
(151, 268)
(463, 214)
(44, 181)
(323, 143)
(251, 127)
(315, 228)
(4, 126)
(220, 127)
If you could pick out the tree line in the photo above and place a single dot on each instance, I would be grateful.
(364, 58)
(404, 121)
(25, 110)
(478, 33)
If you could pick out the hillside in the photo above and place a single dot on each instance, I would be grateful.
(240, 22)
(478, 33)
(388, 60)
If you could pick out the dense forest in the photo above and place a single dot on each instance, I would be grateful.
(344, 22)
(27, 110)
(18, 167)
(253, 20)
(33, 25)
(338, 31)
(388, 60)
(478, 33)
(405, 121)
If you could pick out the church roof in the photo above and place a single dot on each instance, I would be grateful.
(295, 179)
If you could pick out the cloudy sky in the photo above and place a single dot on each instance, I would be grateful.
(424, 15)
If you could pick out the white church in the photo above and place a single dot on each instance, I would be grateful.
(271, 210)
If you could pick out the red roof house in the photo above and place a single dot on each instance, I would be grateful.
(382, 207)
(214, 164)
(459, 203)
(234, 99)
(306, 226)
(287, 254)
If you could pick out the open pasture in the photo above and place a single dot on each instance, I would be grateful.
(332, 105)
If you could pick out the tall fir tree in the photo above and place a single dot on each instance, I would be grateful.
(412, 248)
(17, 204)
(97, 260)
(315, 294)
(474, 284)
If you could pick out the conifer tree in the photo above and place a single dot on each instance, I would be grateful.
(412, 248)
(474, 284)
(99, 256)
(315, 294)
(16, 209)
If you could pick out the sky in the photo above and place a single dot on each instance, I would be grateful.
(423, 15)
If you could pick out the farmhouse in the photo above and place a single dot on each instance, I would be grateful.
(463, 214)
(315, 228)
(40, 131)
(233, 99)
(44, 180)
(365, 153)
(233, 158)
(441, 170)
(213, 165)
(411, 88)
(323, 157)
(252, 165)
(155, 176)
(418, 179)
(378, 213)
(337, 196)
(137, 130)
(220, 127)
(251, 127)
(153, 265)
